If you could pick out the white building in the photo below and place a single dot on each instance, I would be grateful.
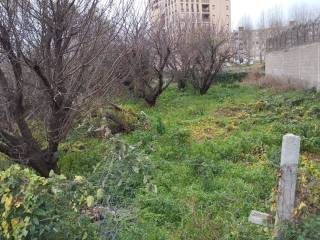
(201, 12)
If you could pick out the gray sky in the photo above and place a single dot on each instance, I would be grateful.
(253, 8)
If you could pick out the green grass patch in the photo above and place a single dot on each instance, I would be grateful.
(216, 158)
(202, 163)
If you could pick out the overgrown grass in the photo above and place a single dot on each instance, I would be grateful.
(215, 158)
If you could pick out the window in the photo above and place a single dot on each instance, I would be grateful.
(205, 17)
(205, 8)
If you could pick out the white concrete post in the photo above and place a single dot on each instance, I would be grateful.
(287, 183)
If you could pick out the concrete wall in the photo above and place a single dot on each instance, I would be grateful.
(297, 66)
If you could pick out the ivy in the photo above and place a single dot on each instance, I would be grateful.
(37, 208)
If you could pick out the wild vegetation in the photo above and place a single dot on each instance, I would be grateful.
(194, 168)
(60, 57)
(98, 142)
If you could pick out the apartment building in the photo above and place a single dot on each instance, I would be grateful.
(200, 12)
(251, 44)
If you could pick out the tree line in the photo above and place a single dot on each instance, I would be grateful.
(59, 56)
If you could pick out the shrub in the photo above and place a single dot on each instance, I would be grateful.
(112, 119)
(34, 207)
(122, 173)
(120, 176)
(230, 77)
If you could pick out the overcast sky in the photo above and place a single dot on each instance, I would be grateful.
(253, 8)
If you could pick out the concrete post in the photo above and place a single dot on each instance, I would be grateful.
(287, 183)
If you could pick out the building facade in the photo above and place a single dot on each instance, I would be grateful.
(200, 12)
(251, 44)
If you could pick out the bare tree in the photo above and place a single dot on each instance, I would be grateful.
(54, 61)
(275, 19)
(151, 46)
(180, 62)
(211, 48)
(302, 13)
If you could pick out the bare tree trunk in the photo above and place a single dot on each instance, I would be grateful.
(181, 84)
(206, 84)
(181, 80)
(29, 154)
(151, 101)
(43, 162)
(203, 90)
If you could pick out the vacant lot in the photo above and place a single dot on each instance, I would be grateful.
(210, 160)
(194, 167)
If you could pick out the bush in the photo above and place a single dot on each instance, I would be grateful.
(113, 119)
(38, 208)
(230, 78)
(98, 207)
(122, 173)
(120, 176)
(121, 120)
